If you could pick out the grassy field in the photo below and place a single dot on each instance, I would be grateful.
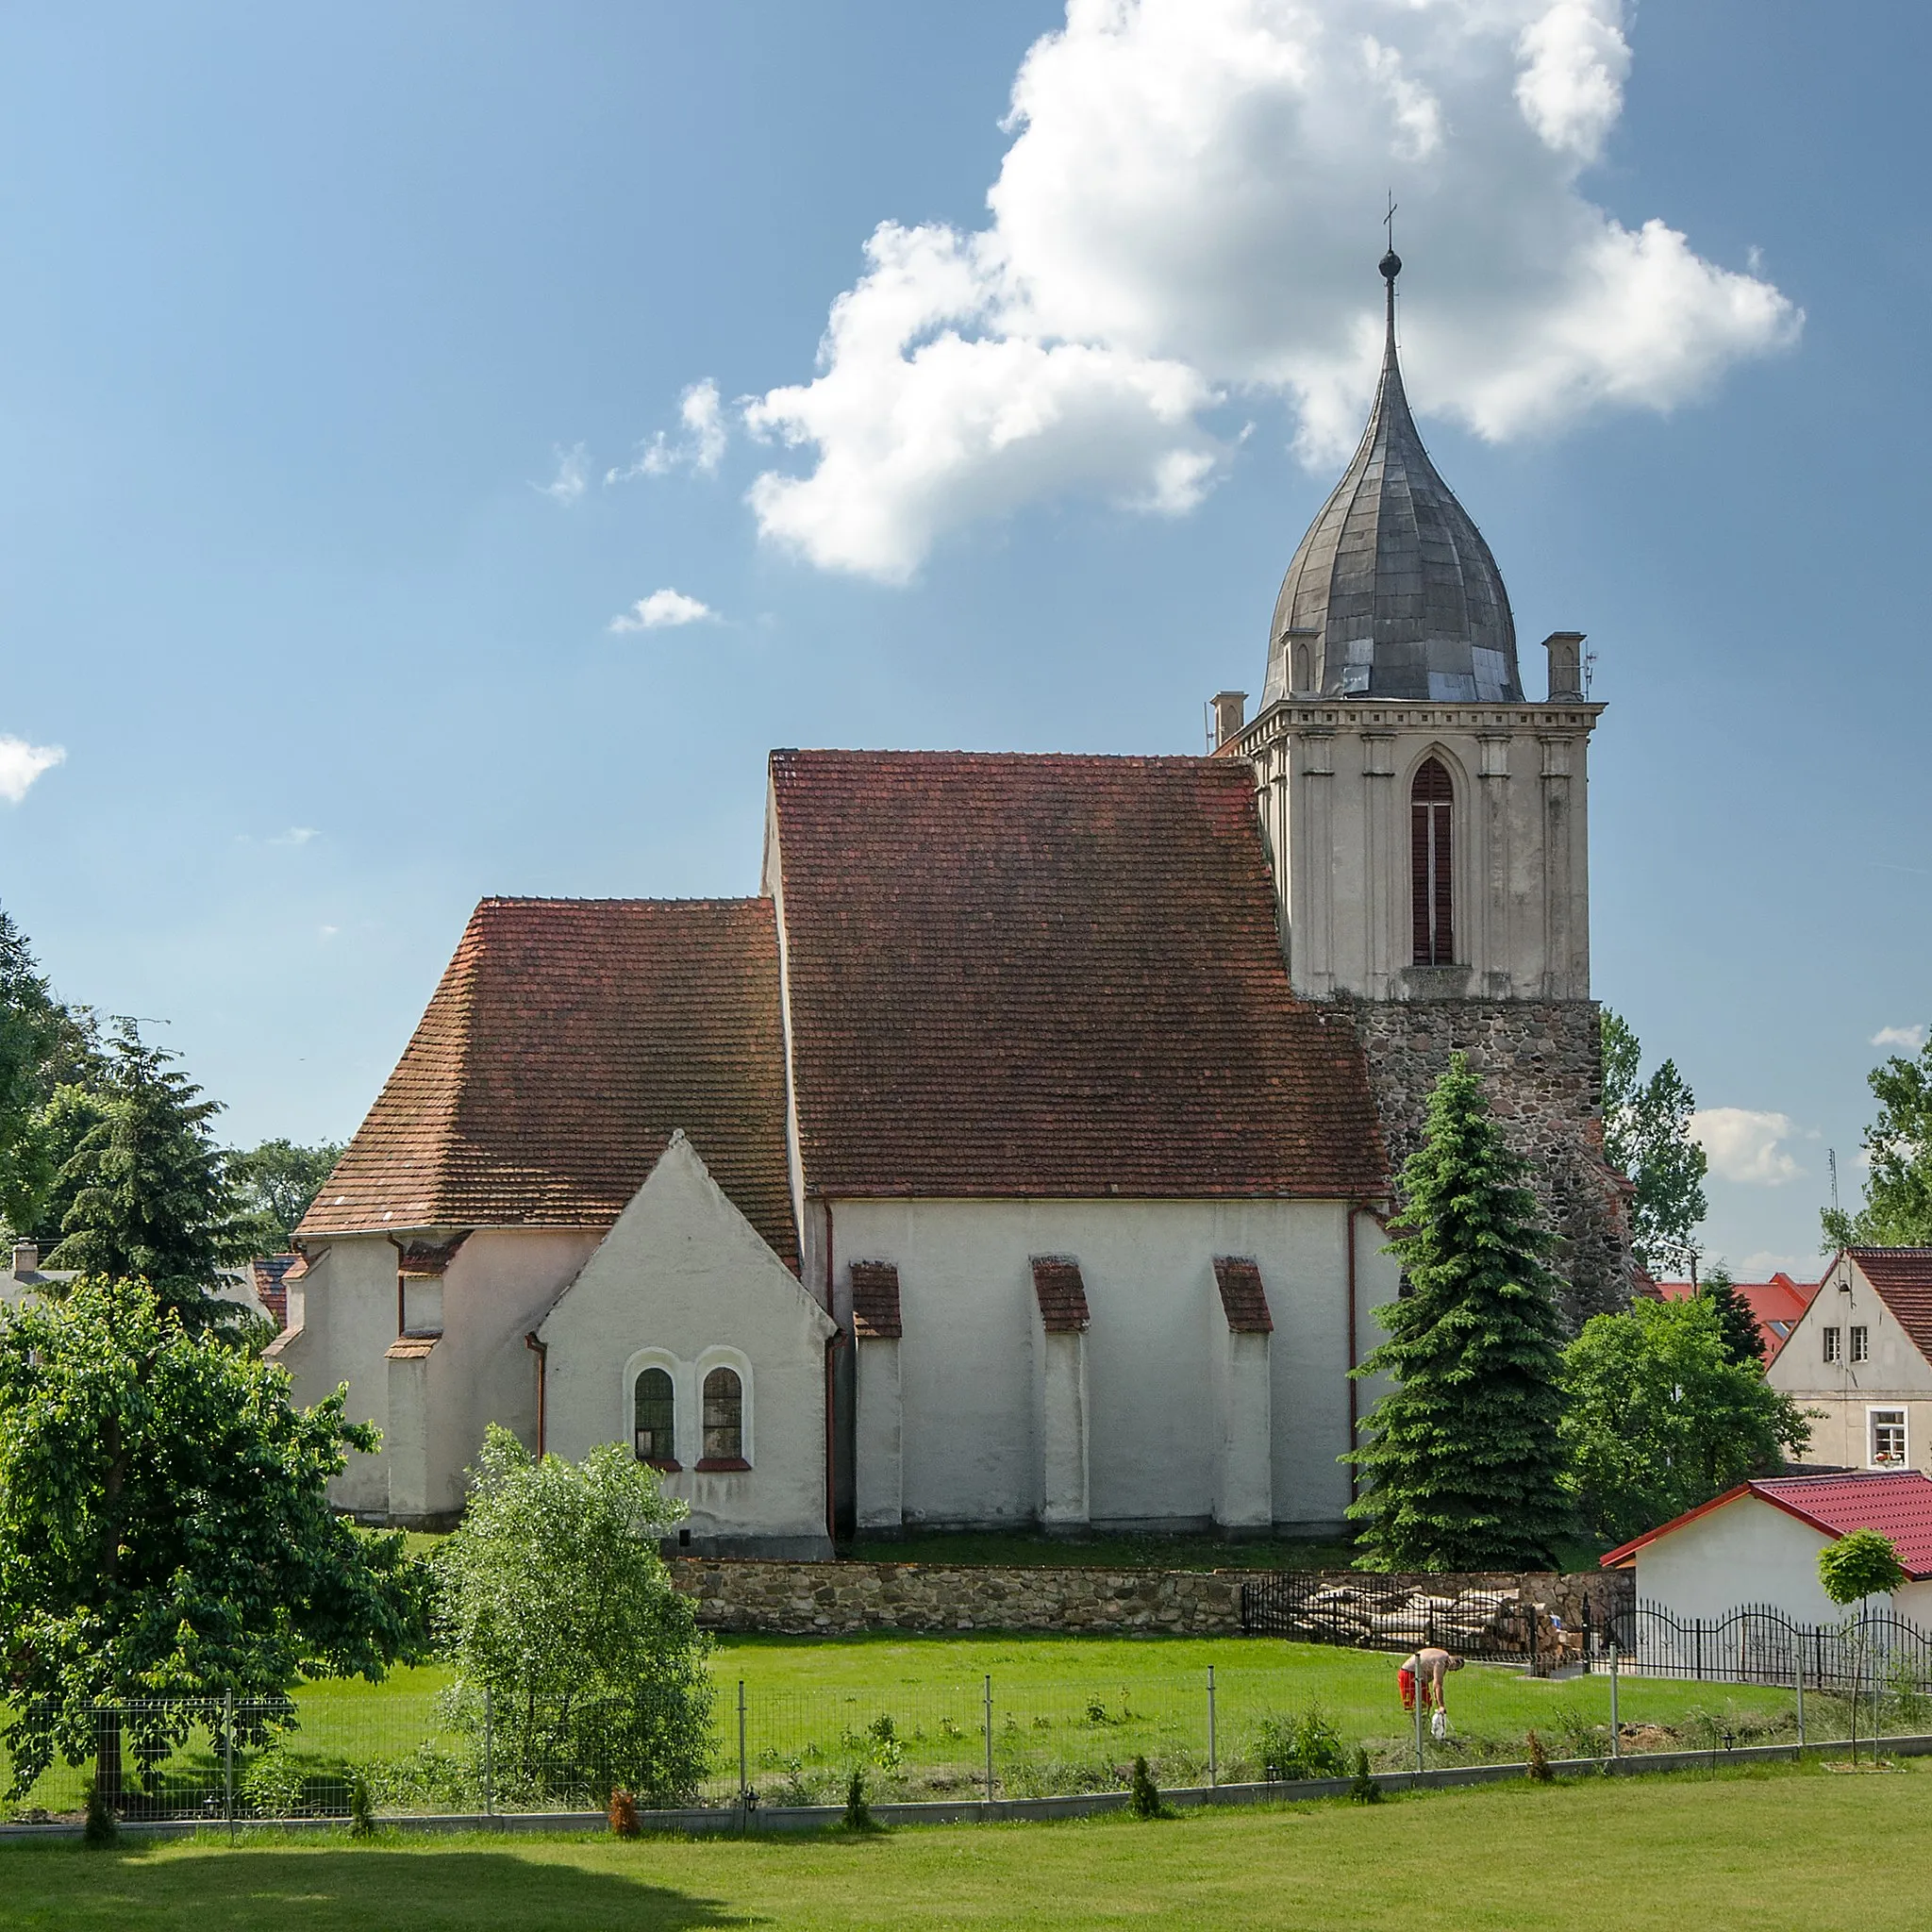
(1070, 1714)
(1770, 1851)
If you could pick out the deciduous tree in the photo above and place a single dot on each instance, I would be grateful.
(275, 1182)
(1897, 1211)
(1647, 1138)
(1461, 1459)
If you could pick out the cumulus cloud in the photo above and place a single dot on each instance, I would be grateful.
(21, 763)
(1187, 211)
(700, 447)
(1746, 1145)
(572, 480)
(660, 610)
(1910, 1038)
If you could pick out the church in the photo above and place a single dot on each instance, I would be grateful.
(1022, 1153)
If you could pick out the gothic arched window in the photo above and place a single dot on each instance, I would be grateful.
(1431, 804)
(723, 1419)
(654, 1419)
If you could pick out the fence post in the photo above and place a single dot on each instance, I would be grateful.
(489, 1755)
(1698, 1640)
(989, 1738)
(743, 1783)
(1800, 1649)
(1419, 1720)
(1616, 1736)
(228, 1762)
(1213, 1762)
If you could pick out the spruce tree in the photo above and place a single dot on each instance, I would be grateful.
(149, 1190)
(1743, 1341)
(1462, 1456)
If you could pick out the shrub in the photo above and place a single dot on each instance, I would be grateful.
(857, 1812)
(1539, 1760)
(1306, 1745)
(274, 1786)
(622, 1814)
(361, 1806)
(1362, 1786)
(1143, 1794)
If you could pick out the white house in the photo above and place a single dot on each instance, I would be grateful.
(1862, 1354)
(1018, 1154)
(1760, 1543)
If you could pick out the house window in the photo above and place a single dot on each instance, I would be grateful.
(1861, 1345)
(1431, 800)
(654, 1419)
(723, 1420)
(1887, 1438)
(1834, 1344)
(422, 1305)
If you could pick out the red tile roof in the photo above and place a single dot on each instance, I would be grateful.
(1061, 1293)
(1896, 1503)
(566, 1042)
(1244, 1300)
(1024, 976)
(1777, 1304)
(1901, 1278)
(876, 1301)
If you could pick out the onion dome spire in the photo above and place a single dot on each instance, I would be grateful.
(1394, 594)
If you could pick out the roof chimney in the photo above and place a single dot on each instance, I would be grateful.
(1230, 711)
(1566, 666)
(27, 1259)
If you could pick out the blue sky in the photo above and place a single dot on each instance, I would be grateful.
(310, 310)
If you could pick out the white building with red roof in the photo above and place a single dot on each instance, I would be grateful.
(1759, 1544)
(1018, 1153)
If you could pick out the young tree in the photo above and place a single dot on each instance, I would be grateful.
(150, 1194)
(1897, 1211)
(1742, 1338)
(165, 1533)
(32, 1037)
(1463, 1460)
(554, 1600)
(275, 1182)
(1661, 1417)
(1647, 1138)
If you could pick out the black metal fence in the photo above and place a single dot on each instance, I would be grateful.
(1757, 1644)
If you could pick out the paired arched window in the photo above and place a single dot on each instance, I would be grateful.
(654, 1418)
(723, 1417)
(1431, 806)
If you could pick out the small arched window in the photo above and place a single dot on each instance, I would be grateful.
(723, 1419)
(654, 1419)
(1431, 806)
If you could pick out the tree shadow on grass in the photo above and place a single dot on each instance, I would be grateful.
(377, 1889)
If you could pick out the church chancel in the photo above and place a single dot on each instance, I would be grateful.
(1020, 1153)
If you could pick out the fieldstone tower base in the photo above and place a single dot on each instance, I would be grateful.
(1541, 1064)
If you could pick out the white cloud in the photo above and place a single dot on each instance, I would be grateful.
(295, 834)
(21, 763)
(1910, 1038)
(327, 932)
(701, 447)
(573, 476)
(1188, 209)
(1744, 1144)
(663, 608)
(1765, 1263)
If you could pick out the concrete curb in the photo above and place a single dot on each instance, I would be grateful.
(702, 1820)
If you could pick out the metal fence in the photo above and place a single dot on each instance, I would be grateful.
(1757, 1644)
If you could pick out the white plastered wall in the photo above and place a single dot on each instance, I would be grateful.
(1897, 1375)
(879, 1451)
(684, 1283)
(967, 1360)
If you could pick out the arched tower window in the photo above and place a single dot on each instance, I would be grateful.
(654, 1419)
(724, 1419)
(1431, 804)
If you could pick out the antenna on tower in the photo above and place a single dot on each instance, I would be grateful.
(1831, 1163)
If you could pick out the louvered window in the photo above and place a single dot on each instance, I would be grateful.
(1431, 804)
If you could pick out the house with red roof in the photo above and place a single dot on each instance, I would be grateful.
(1018, 1152)
(1775, 1305)
(1760, 1543)
(1861, 1355)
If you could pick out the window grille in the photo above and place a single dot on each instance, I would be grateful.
(1834, 1344)
(1431, 804)
(1861, 1345)
(654, 1419)
(723, 1417)
(1888, 1439)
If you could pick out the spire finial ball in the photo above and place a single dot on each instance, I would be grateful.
(1391, 266)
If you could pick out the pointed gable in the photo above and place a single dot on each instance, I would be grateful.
(569, 1039)
(1036, 976)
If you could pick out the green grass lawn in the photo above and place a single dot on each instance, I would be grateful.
(1774, 1852)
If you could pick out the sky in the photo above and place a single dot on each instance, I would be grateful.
(443, 448)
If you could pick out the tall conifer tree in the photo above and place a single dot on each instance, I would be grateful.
(1743, 1341)
(1462, 1455)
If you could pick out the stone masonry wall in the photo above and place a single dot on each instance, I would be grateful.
(1541, 1063)
(838, 1599)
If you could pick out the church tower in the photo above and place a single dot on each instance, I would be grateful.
(1428, 825)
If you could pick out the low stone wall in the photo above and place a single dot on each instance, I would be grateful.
(836, 1599)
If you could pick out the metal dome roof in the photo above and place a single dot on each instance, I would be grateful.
(1394, 594)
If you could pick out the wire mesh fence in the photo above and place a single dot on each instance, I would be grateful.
(1273, 1711)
